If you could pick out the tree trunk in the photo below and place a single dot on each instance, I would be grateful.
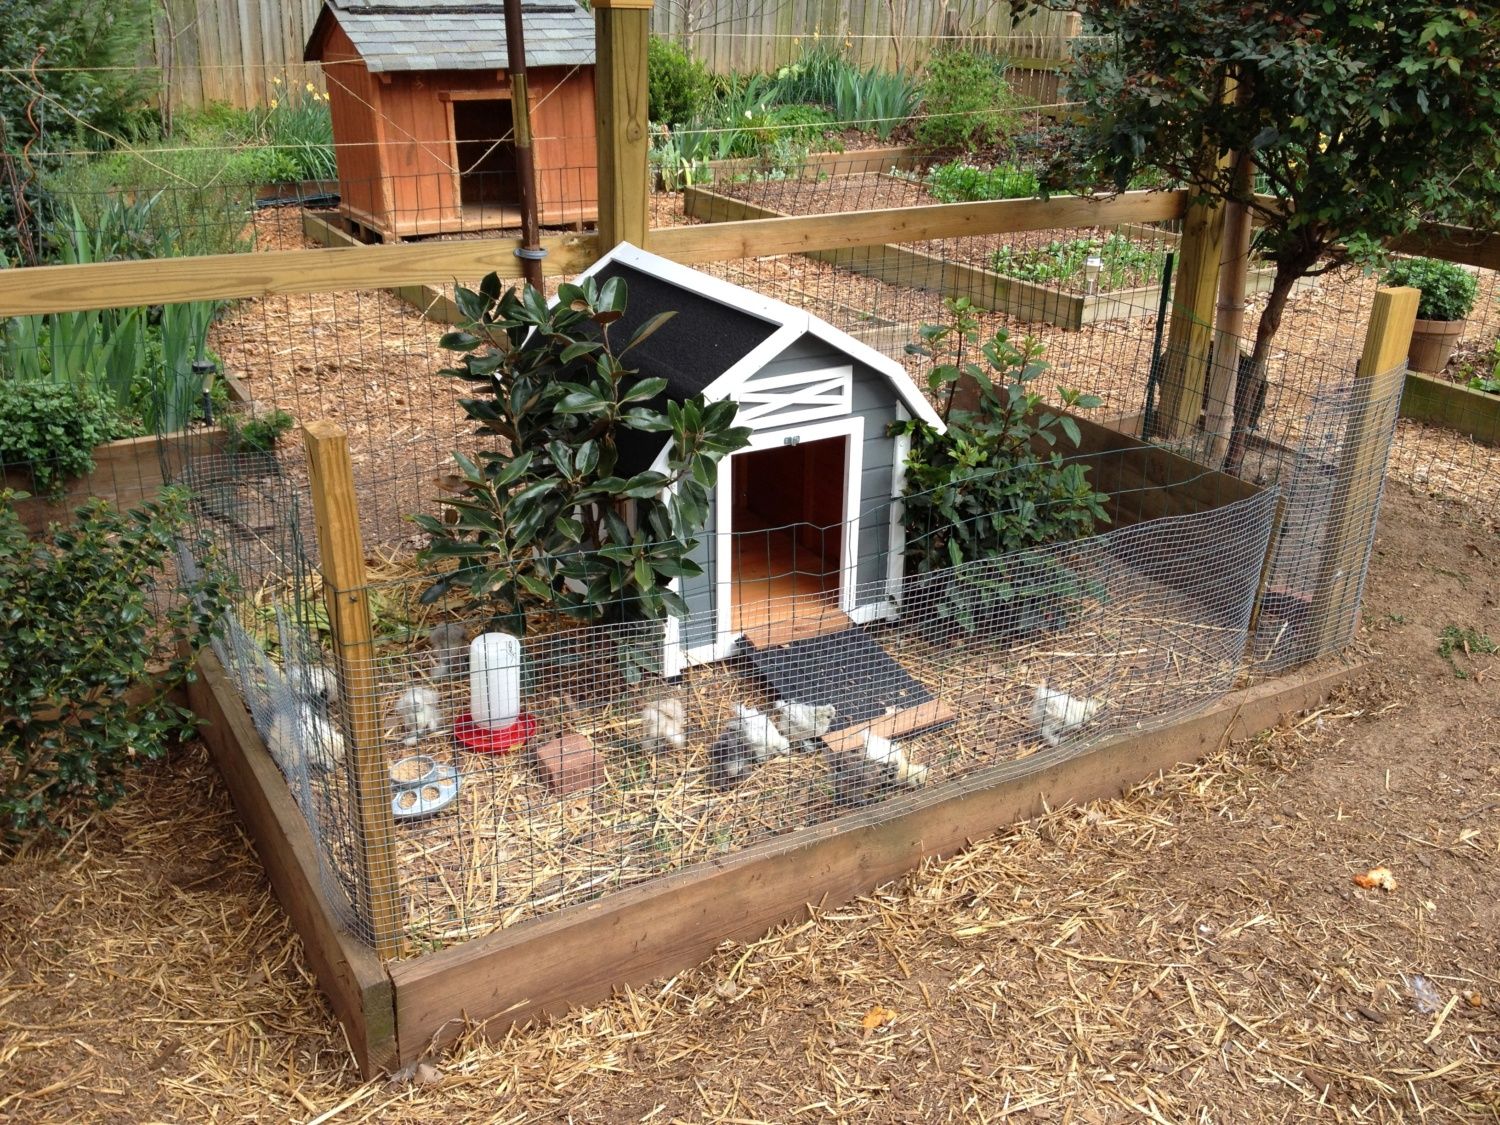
(1252, 384)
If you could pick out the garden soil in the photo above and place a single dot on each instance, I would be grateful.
(1198, 950)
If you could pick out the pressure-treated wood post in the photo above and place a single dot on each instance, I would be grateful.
(336, 515)
(1190, 324)
(1361, 469)
(622, 29)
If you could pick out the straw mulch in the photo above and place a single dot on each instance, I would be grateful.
(1194, 951)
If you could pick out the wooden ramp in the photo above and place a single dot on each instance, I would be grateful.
(868, 689)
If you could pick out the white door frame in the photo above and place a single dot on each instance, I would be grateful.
(851, 428)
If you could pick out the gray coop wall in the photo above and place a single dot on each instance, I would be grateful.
(699, 627)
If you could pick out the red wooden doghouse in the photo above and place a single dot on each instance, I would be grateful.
(422, 116)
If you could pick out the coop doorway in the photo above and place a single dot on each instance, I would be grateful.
(484, 144)
(791, 522)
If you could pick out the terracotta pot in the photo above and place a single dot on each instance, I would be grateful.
(1432, 342)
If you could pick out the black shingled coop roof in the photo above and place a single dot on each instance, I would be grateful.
(419, 35)
(705, 339)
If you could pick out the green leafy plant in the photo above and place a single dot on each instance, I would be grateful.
(966, 101)
(983, 497)
(1123, 263)
(815, 77)
(1467, 641)
(52, 429)
(959, 182)
(259, 434)
(678, 84)
(1484, 374)
(298, 128)
(88, 657)
(1448, 291)
(541, 523)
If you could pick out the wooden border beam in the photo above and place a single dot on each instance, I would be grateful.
(758, 238)
(159, 281)
(349, 973)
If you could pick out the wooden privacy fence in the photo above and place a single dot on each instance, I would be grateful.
(217, 51)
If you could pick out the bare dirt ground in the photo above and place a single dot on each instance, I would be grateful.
(1194, 952)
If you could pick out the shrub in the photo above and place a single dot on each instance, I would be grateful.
(85, 664)
(982, 496)
(52, 429)
(70, 72)
(966, 101)
(258, 435)
(1448, 291)
(958, 182)
(679, 84)
(538, 525)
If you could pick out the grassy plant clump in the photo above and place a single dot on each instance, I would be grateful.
(1124, 264)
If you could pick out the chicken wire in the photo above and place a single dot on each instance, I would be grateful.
(1123, 631)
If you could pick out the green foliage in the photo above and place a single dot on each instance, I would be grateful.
(1448, 291)
(1123, 264)
(679, 84)
(966, 101)
(86, 658)
(959, 182)
(52, 429)
(874, 99)
(1362, 118)
(539, 525)
(815, 77)
(297, 129)
(1484, 374)
(982, 497)
(70, 77)
(259, 434)
(1467, 641)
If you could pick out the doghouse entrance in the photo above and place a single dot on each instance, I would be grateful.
(484, 137)
(787, 525)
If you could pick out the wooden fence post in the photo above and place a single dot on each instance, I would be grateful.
(1357, 484)
(345, 589)
(622, 29)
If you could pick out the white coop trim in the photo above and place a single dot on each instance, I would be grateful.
(788, 400)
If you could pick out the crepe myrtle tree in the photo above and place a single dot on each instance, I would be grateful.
(1362, 117)
(543, 521)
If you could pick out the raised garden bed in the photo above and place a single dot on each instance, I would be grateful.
(1471, 413)
(930, 268)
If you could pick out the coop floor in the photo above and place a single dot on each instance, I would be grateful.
(509, 849)
(782, 592)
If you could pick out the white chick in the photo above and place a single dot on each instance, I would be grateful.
(663, 723)
(803, 722)
(417, 708)
(1055, 713)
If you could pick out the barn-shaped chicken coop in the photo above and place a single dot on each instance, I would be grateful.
(805, 535)
(422, 119)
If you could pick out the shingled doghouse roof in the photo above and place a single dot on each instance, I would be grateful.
(419, 35)
(721, 335)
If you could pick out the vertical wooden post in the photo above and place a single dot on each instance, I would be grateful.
(622, 29)
(1356, 487)
(1229, 321)
(1190, 327)
(336, 515)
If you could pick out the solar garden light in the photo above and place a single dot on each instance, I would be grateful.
(206, 370)
(1091, 267)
